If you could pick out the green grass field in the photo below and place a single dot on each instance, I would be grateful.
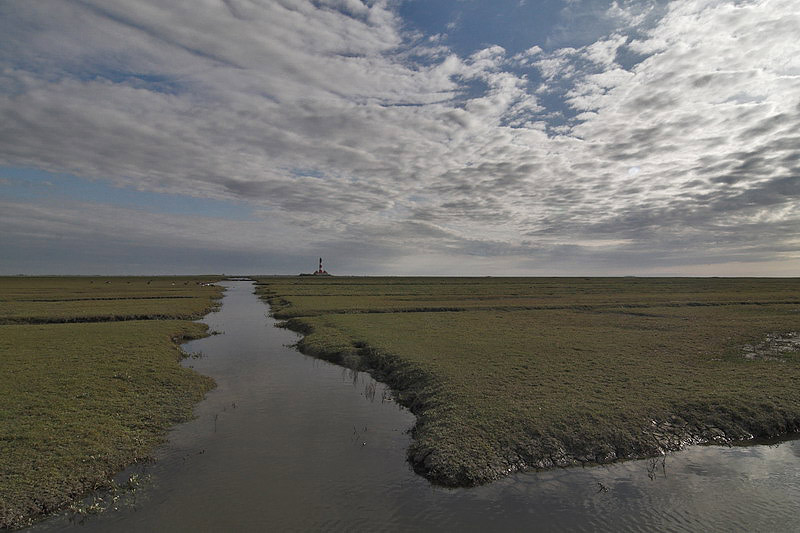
(25, 300)
(86, 389)
(506, 374)
(307, 296)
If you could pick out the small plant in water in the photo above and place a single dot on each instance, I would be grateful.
(653, 466)
(133, 482)
(386, 396)
(110, 498)
(369, 391)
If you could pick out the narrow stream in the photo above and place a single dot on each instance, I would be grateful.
(287, 442)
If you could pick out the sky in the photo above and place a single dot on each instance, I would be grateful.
(400, 137)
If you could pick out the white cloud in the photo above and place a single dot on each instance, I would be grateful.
(604, 52)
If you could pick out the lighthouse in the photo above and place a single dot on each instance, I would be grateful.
(321, 271)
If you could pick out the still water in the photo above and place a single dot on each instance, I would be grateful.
(291, 443)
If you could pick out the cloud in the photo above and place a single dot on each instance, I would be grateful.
(342, 126)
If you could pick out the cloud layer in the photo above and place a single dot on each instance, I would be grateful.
(669, 144)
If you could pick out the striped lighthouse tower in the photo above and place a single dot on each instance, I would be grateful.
(321, 271)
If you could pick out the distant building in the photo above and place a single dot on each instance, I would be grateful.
(319, 272)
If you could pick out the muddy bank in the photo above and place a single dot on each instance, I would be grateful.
(437, 455)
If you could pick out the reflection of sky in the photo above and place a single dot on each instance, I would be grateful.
(469, 26)
(708, 488)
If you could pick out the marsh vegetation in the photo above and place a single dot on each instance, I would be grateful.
(508, 374)
(90, 381)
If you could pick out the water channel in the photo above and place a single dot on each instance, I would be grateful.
(291, 443)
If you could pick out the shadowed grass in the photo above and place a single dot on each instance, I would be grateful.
(623, 368)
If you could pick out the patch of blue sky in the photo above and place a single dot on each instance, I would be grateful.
(30, 184)
(471, 88)
(557, 112)
(306, 173)
(344, 9)
(151, 82)
(472, 25)
(515, 25)
(627, 58)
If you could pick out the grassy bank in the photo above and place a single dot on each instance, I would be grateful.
(585, 371)
(84, 399)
